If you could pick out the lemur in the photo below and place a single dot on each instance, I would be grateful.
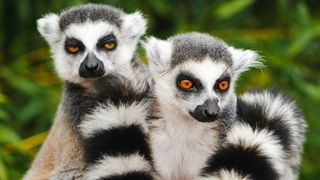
(100, 127)
(202, 130)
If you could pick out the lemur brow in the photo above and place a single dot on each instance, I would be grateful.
(107, 37)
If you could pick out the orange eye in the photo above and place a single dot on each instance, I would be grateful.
(185, 84)
(223, 85)
(73, 49)
(110, 45)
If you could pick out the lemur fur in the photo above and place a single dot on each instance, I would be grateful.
(202, 130)
(100, 128)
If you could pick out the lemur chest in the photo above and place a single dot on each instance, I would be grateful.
(180, 153)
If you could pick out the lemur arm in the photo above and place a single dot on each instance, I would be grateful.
(61, 153)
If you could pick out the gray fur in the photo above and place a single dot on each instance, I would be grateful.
(196, 46)
(92, 12)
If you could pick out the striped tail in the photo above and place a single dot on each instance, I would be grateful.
(116, 143)
(265, 143)
(247, 154)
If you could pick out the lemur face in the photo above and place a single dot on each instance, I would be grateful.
(91, 41)
(195, 74)
(201, 90)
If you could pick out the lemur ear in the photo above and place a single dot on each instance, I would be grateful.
(134, 25)
(158, 54)
(243, 60)
(48, 26)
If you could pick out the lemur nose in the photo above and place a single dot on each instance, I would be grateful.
(207, 112)
(91, 66)
(210, 113)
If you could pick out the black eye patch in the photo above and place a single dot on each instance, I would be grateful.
(73, 42)
(196, 83)
(109, 39)
(224, 77)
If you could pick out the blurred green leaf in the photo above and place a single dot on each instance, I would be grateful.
(300, 43)
(8, 135)
(303, 15)
(3, 115)
(3, 98)
(3, 170)
(30, 110)
(309, 89)
(230, 8)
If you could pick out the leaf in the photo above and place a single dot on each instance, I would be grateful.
(30, 110)
(3, 170)
(300, 43)
(3, 115)
(303, 15)
(3, 98)
(310, 89)
(33, 141)
(231, 8)
(8, 135)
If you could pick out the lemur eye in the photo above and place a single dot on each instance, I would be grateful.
(185, 84)
(223, 85)
(73, 49)
(110, 45)
(73, 46)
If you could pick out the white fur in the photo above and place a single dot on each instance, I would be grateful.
(108, 117)
(243, 60)
(267, 143)
(48, 26)
(226, 175)
(134, 25)
(110, 166)
(180, 145)
(159, 55)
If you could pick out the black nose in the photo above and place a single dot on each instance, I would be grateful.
(207, 112)
(91, 67)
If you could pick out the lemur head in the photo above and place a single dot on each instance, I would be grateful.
(195, 74)
(92, 40)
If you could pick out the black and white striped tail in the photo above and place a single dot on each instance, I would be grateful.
(115, 137)
(265, 142)
(247, 154)
(116, 144)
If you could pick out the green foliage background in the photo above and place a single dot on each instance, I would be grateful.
(285, 32)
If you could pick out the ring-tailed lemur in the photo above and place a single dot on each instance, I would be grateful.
(202, 131)
(100, 128)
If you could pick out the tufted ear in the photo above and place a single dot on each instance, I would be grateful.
(158, 54)
(48, 26)
(134, 25)
(243, 60)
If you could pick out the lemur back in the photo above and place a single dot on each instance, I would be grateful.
(203, 131)
(106, 99)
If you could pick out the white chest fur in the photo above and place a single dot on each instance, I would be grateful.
(181, 147)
